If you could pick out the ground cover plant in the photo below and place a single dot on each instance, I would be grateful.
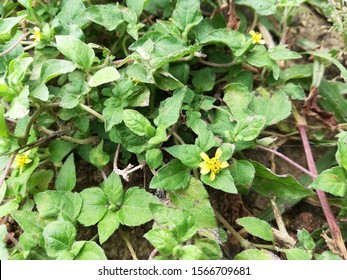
(145, 119)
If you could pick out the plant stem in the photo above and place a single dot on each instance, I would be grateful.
(176, 136)
(30, 124)
(152, 255)
(243, 242)
(130, 247)
(292, 162)
(333, 226)
(93, 112)
(7, 168)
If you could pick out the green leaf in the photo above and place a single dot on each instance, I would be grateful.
(186, 14)
(103, 76)
(249, 127)
(205, 141)
(162, 239)
(332, 180)
(243, 173)
(169, 109)
(154, 158)
(113, 189)
(179, 222)
(53, 204)
(297, 254)
(237, 97)
(8, 206)
(223, 181)
(136, 122)
(109, 16)
(69, 101)
(6, 25)
(108, 225)
(77, 51)
(98, 157)
(41, 92)
(204, 79)
(293, 91)
(172, 176)
(264, 7)
(17, 69)
(259, 57)
(275, 108)
(54, 67)
(19, 107)
(305, 239)
(70, 14)
(255, 254)
(58, 149)
(66, 179)
(281, 52)
(189, 155)
(194, 200)
(341, 154)
(93, 207)
(59, 237)
(269, 184)
(327, 255)
(231, 38)
(210, 249)
(4, 134)
(135, 208)
(136, 5)
(190, 252)
(3, 249)
(88, 250)
(297, 72)
(159, 137)
(257, 227)
(113, 116)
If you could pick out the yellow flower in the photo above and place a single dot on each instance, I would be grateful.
(213, 165)
(256, 37)
(37, 34)
(21, 160)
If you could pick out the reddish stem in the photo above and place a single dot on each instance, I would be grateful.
(7, 168)
(333, 226)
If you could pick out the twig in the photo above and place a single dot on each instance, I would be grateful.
(152, 255)
(7, 168)
(333, 226)
(130, 247)
(93, 112)
(287, 159)
(243, 242)
(14, 45)
(30, 124)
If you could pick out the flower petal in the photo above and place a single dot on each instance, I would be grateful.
(212, 176)
(204, 156)
(224, 164)
(205, 168)
(218, 153)
(27, 160)
(262, 42)
(252, 33)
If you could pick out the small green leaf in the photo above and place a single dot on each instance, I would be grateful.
(181, 224)
(93, 207)
(327, 256)
(264, 8)
(58, 149)
(297, 254)
(305, 239)
(169, 109)
(298, 71)
(281, 52)
(108, 225)
(210, 249)
(103, 76)
(135, 208)
(109, 16)
(69, 101)
(237, 97)
(257, 227)
(293, 91)
(54, 67)
(88, 250)
(8, 206)
(341, 154)
(53, 204)
(113, 116)
(243, 173)
(172, 176)
(194, 199)
(29, 222)
(3, 249)
(59, 237)
(113, 188)
(249, 127)
(19, 107)
(275, 108)
(269, 184)
(66, 179)
(41, 92)
(204, 80)
(223, 181)
(77, 51)
(206, 141)
(162, 239)
(6, 25)
(255, 254)
(98, 157)
(136, 122)
(17, 69)
(189, 155)
(332, 180)
(154, 158)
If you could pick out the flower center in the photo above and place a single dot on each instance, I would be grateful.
(21, 160)
(257, 37)
(215, 165)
